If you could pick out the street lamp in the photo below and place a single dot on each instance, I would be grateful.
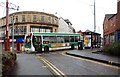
(13, 33)
(7, 40)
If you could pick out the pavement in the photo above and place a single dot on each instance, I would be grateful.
(95, 54)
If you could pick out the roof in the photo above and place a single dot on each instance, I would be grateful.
(88, 30)
(67, 21)
(109, 16)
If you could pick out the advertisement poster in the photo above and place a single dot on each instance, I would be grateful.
(87, 40)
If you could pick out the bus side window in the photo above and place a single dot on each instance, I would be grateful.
(76, 38)
(72, 38)
(52, 39)
(60, 39)
(66, 38)
(46, 39)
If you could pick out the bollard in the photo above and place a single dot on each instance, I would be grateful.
(22, 49)
(10, 49)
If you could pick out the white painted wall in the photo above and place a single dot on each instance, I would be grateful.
(64, 27)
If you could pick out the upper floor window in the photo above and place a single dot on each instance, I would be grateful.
(34, 18)
(42, 18)
(55, 21)
(23, 18)
(11, 18)
(49, 19)
(16, 19)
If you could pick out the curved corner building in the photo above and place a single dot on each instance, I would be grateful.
(29, 21)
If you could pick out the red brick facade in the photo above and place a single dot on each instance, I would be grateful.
(111, 27)
(118, 15)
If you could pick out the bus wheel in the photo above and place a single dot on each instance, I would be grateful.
(46, 49)
(72, 46)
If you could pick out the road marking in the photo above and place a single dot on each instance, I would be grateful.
(45, 66)
(55, 69)
(63, 53)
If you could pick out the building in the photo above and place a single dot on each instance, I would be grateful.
(28, 21)
(111, 27)
(65, 26)
(118, 21)
(91, 39)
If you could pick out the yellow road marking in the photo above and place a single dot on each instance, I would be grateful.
(55, 69)
(91, 61)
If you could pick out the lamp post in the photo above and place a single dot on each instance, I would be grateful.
(13, 34)
(7, 40)
(94, 17)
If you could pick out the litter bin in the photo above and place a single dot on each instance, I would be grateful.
(80, 47)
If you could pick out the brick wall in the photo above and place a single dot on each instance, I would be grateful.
(118, 15)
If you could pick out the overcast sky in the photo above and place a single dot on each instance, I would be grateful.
(79, 12)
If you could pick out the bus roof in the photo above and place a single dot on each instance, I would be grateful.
(54, 34)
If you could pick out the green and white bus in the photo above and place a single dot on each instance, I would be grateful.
(37, 41)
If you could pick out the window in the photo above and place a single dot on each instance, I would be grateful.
(20, 30)
(34, 18)
(77, 38)
(55, 21)
(11, 19)
(23, 18)
(72, 38)
(60, 39)
(66, 38)
(47, 30)
(37, 39)
(28, 40)
(52, 39)
(49, 19)
(111, 38)
(55, 30)
(35, 29)
(46, 40)
(42, 18)
(16, 19)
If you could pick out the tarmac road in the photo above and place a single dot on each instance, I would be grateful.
(79, 66)
(60, 64)
(28, 64)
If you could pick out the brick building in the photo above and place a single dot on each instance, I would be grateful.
(111, 27)
(118, 21)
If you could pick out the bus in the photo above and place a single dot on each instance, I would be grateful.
(37, 41)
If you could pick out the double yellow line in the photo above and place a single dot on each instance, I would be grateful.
(55, 69)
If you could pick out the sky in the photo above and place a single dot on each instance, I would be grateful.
(79, 12)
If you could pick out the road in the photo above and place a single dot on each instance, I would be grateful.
(69, 65)
(28, 64)
(58, 63)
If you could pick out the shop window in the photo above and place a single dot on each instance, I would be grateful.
(20, 30)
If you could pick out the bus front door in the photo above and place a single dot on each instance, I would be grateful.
(37, 43)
